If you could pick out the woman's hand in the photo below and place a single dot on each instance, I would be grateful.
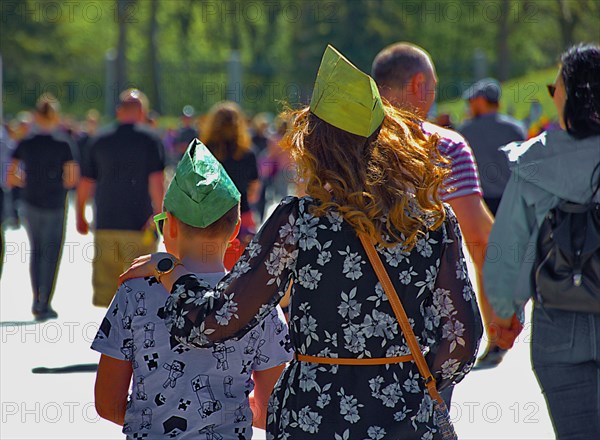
(144, 266)
(503, 332)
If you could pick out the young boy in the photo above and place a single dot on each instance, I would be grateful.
(179, 391)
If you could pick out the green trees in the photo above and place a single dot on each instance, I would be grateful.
(178, 50)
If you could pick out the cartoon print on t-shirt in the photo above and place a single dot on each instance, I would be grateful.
(104, 329)
(220, 354)
(241, 433)
(184, 404)
(175, 372)
(146, 418)
(174, 426)
(259, 358)
(149, 335)
(126, 320)
(239, 414)
(279, 327)
(250, 347)
(209, 432)
(206, 398)
(177, 346)
(286, 343)
(246, 366)
(227, 382)
(140, 297)
(140, 389)
(159, 400)
(151, 361)
(127, 348)
(151, 280)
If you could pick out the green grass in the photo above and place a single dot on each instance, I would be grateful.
(517, 96)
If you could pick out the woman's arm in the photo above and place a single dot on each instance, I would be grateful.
(508, 251)
(199, 316)
(111, 389)
(453, 313)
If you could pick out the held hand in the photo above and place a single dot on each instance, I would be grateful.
(504, 331)
(83, 226)
(144, 266)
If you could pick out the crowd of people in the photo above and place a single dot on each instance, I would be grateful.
(364, 252)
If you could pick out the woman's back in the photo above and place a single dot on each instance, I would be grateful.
(339, 310)
(43, 156)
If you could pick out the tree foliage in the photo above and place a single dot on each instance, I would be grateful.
(178, 50)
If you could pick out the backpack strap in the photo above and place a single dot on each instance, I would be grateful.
(592, 183)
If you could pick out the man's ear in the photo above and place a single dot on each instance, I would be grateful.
(236, 231)
(418, 86)
(171, 226)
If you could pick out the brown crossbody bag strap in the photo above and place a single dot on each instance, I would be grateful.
(407, 330)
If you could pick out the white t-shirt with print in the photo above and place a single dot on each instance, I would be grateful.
(179, 391)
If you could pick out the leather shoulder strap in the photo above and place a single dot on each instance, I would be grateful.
(407, 330)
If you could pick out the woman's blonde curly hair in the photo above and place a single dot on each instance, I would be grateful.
(395, 174)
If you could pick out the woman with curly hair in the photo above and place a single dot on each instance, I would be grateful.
(370, 174)
(226, 136)
(550, 170)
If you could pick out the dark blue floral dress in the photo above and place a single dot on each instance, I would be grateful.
(339, 309)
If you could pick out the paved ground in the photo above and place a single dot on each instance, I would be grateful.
(499, 404)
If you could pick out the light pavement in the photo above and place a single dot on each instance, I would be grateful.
(500, 404)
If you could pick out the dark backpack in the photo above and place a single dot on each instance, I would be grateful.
(567, 265)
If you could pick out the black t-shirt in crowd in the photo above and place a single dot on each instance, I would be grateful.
(185, 135)
(43, 156)
(242, 172)
(120, 160)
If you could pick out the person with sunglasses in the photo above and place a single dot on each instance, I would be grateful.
(175, 390)
(555, 167)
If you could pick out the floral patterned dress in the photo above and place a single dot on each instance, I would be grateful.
(339, 310)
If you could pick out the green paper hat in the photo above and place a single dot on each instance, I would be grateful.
(201, 191)
(345, 97)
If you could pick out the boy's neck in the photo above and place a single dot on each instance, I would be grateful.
(203, 256)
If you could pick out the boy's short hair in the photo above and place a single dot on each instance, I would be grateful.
(223, 227)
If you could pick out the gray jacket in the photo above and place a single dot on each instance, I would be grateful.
(551, 167)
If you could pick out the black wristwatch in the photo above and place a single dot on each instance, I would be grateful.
(166, 266)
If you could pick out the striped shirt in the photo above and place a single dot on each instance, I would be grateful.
(464, 177)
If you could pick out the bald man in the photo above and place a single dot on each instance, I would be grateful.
(123, 171)
(406, 77)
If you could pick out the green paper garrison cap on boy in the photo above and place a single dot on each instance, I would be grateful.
(345, 97)
(201, 191)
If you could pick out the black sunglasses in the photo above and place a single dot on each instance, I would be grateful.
(551, 90)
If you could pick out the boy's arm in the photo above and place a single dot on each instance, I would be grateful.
(264, 381)
(111, 389)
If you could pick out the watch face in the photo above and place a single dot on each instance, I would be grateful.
(164, 265)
